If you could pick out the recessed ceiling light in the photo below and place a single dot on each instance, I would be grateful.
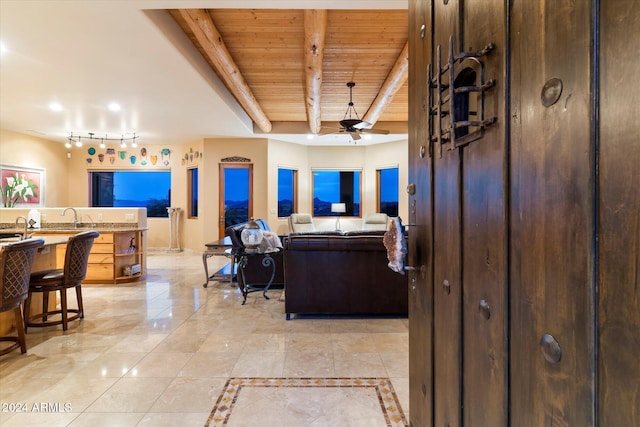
(55, 106)
(114, 107)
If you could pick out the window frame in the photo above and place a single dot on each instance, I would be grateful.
(192, 194)
(294, 190)
(359, 188)
(91, 189)
(379, 188)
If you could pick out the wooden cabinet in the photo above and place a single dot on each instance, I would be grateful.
(101, 259)
(112, 254)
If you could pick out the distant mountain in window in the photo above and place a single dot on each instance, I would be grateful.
(235, 204)
(323, 208)
(155, 207)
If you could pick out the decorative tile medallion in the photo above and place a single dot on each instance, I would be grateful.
(231, 395)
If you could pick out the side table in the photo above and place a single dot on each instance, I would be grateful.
(222, 247)
(241, 257)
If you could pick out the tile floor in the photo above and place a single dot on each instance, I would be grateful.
(159, 353)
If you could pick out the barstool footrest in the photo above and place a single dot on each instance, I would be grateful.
(31, 319)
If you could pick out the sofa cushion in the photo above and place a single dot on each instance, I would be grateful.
(318, 233)
(333, 243)
(375, 221)
(301, 222)
(364, 233)
(301, 219)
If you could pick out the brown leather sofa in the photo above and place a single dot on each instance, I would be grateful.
(255, 273)
(341, 273)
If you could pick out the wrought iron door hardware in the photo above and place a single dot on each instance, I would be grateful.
(450, 102)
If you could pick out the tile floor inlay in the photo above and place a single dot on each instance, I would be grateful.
(240, 394)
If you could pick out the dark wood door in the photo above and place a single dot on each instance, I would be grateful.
(420, 220)
(447, 277)
(524, 308)
(618, 154)
(460, 225)
(483, 203)
(552, 215)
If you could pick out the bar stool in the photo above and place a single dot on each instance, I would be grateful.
(15, 269)
(71, 276)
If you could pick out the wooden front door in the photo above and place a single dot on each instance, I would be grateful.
(457, 327)
(552, 215)
(524, 207)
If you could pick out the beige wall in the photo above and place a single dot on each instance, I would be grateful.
(67, 183)
(203, 229)
(290, 156)
(17, 149)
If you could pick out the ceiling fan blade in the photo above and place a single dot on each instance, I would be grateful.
(327, 131)
(378, 131)
(362, 125)
(355, 135)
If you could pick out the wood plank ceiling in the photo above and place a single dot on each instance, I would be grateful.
(289, 69)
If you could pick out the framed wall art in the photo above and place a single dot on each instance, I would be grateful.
(21, 187)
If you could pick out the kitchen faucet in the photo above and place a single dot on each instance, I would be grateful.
(93, 224)
(75, 216)
(26, 225)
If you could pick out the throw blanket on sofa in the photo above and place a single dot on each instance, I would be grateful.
(270, 242)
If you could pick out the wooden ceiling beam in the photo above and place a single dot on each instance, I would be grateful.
(394, 81)
(211, 41)
(315, 29)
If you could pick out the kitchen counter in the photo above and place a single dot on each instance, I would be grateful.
(71, 230)
(118, 254)
(49, 240)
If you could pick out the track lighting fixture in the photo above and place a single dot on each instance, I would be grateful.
(77, 139)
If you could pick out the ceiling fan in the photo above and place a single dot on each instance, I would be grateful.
(353, 126)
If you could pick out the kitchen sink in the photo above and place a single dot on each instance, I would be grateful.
(8, 235)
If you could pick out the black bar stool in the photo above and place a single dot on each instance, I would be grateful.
(71, 276)
(15, 269)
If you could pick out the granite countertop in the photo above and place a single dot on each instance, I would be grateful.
(106, 228)
(48, 240)
(80, 229)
